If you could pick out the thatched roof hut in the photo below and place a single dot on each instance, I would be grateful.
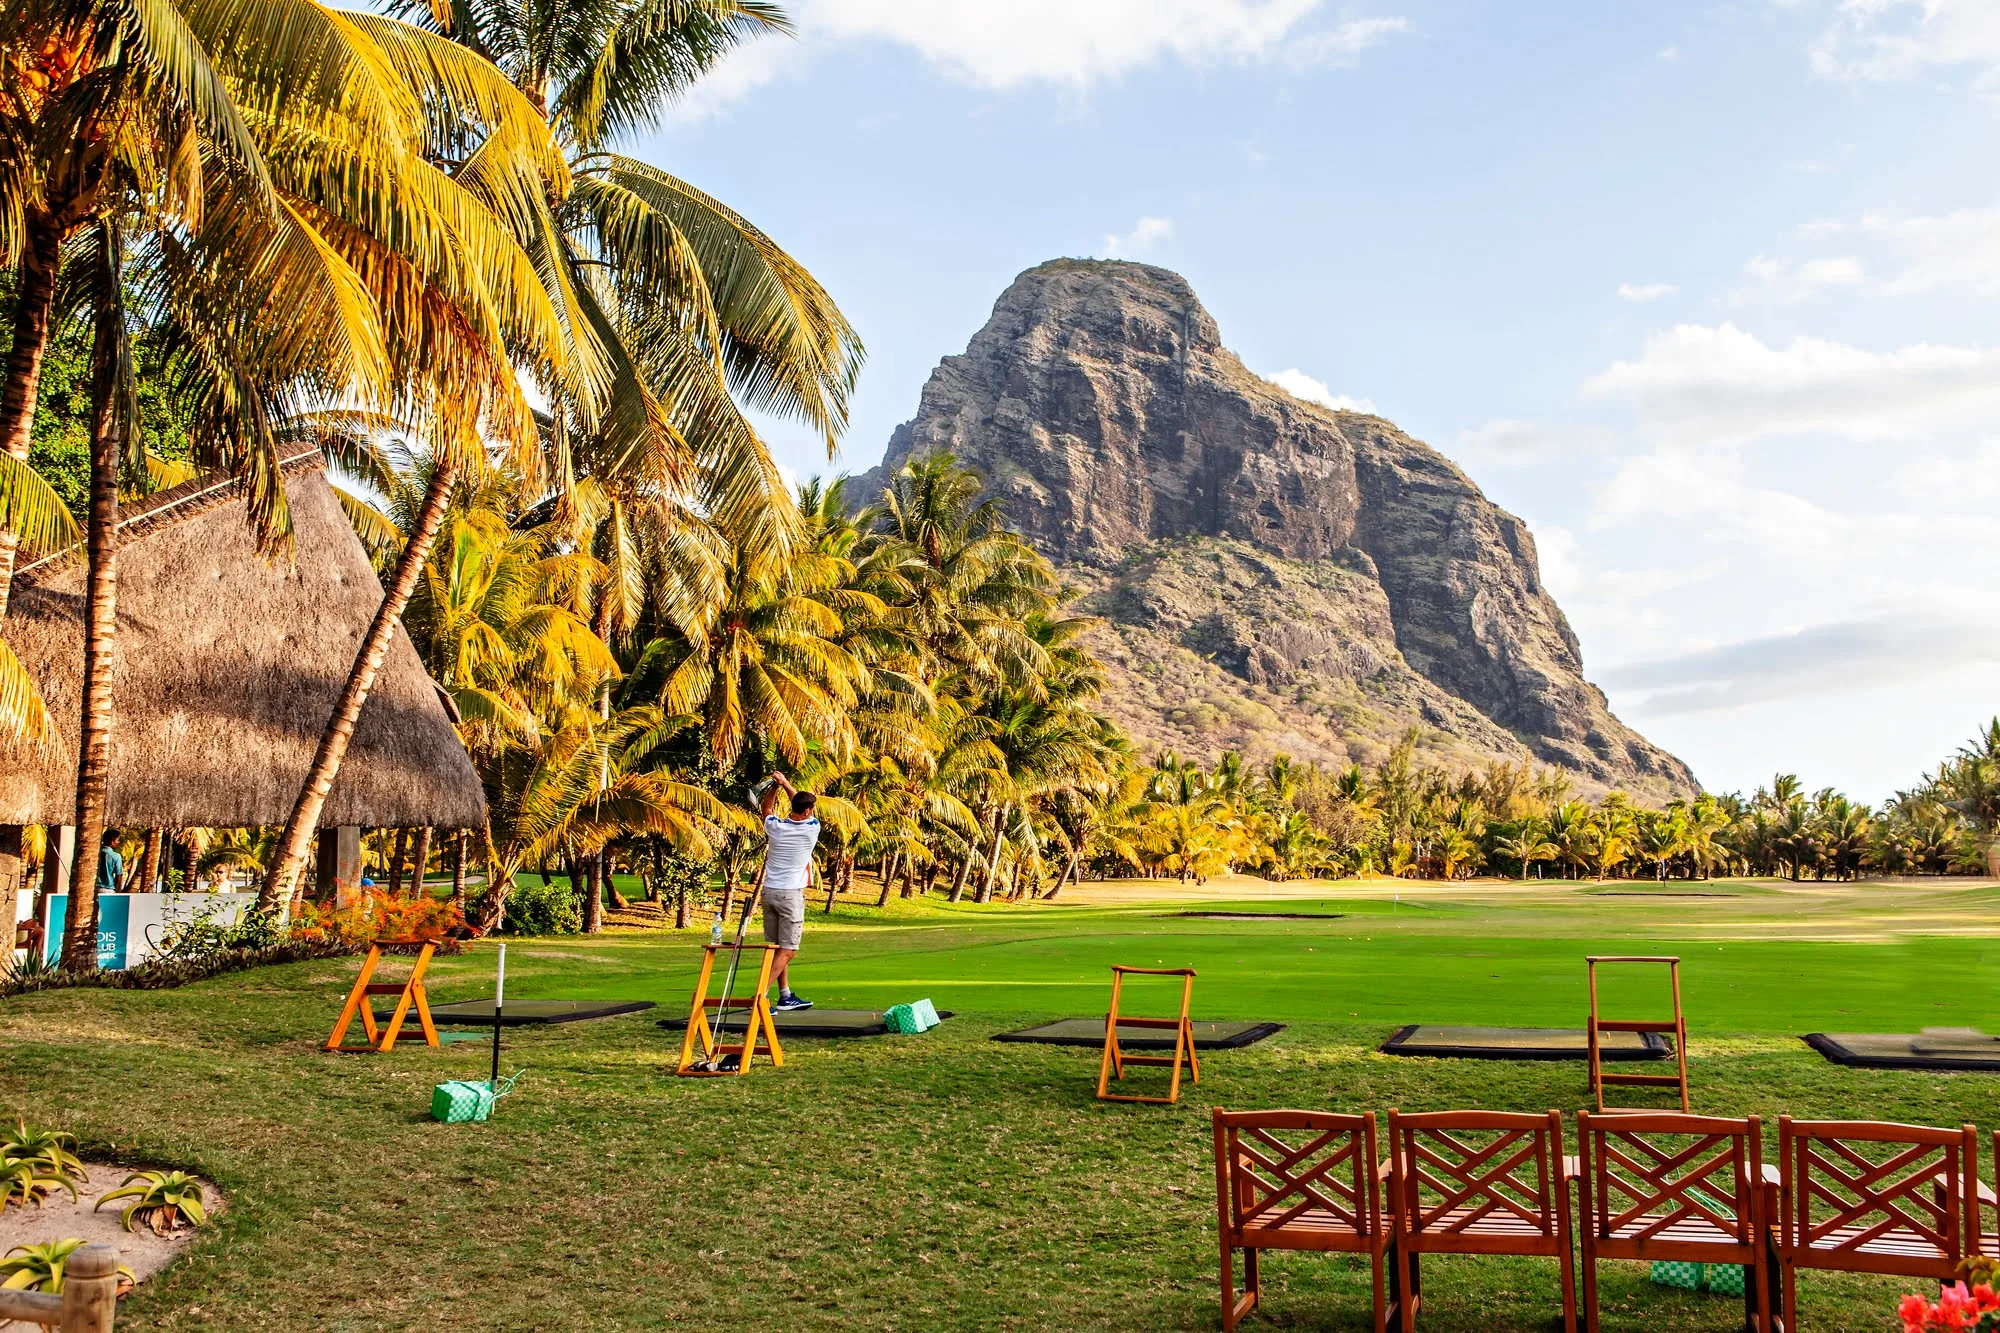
(228, 667)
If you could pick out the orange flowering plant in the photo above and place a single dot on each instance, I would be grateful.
(1959, 1309)
(377, 916)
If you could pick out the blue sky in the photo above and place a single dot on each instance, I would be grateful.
(1706, 293)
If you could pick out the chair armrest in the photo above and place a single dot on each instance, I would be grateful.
(1772, 1176)
(1986, 1195)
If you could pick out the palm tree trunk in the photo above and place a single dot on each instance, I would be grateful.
(41, 257)
(888, 879)
(992, 866)
(420, 859)
(294, 843)
(964, 873)
(399, 847)
(1074, 863)
(100, 615)
(584, 877)
(149, 861)
(610, 884)
(458, 872)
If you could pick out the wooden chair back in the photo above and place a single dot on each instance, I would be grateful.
(1657, 1183)
(1479, 1182)
(1867, 1197)
(1297, 1179)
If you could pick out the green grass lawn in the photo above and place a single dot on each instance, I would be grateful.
(947, 1181)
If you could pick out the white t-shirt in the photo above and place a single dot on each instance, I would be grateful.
(788, 858)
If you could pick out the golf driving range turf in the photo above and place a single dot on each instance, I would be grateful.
(949, 1181)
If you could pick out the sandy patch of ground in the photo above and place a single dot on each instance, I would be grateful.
(59, 1218)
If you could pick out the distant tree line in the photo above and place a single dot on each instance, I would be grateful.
(1405, 818)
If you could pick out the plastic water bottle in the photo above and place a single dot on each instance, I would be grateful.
(715, 934)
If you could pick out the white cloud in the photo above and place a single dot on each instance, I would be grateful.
(1620, 603)
(1789, 281)
(1301, 385)
(1646, 291)
(1722, 385)
(1341, 46)
(1670, 53)
(1898, 39)
(1145, 234)
(1832, 658)
(1504, 442)
(1064, 41)
(742, 72)
(1026, 42)
(1960, 249)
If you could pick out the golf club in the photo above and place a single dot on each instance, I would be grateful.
(729, 981)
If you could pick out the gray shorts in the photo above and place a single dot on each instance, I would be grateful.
(784, 918)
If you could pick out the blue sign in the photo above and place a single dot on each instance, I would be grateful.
(114, 915)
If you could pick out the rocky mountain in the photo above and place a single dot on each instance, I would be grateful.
(1273, 575)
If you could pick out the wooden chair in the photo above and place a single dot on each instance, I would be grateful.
(1908, 1208)
(1662, 1186)
(1477, 1182)
(1677, 1026)
(1321, 1189)
(1114, 1061)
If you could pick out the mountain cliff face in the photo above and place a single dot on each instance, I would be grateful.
(1273, 575)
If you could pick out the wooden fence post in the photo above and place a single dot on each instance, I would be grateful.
(89, 1299)
(90, 1290)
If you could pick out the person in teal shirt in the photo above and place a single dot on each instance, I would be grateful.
(110, 869)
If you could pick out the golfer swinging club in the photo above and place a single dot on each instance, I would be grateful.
(788, 873)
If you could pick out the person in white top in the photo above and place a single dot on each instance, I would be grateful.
(788, 873)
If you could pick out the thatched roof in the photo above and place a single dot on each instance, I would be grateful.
(228, 667)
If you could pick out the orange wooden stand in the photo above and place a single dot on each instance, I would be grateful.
(1115, 1060)
(410, 993)
(760, 1030)
(1676, 1026)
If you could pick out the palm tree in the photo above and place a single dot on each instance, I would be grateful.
(669, 303)
(1661, 836)
(557, 797)
(769, 662)
(1528, 844)
(974, 583)
(255, 267)
(1575, 834)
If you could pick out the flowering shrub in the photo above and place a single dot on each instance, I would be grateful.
(377, 916)
(1959, 1309)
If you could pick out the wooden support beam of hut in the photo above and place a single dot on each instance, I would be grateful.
(229, 665)
(338, 871)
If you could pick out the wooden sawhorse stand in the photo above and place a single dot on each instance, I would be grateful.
(760, 1029)
(1115, 1060)
(409, 993)
(1677, 1027)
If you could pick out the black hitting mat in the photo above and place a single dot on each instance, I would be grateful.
(1966, 1049)
(1495, 1043)
(524, 1013)
(1224, 1035)
(805, 1022)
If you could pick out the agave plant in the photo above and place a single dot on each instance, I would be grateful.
(34, 1163)
(161, 1199)
(48, 1148)
(24, 1183)
(41, 1267)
